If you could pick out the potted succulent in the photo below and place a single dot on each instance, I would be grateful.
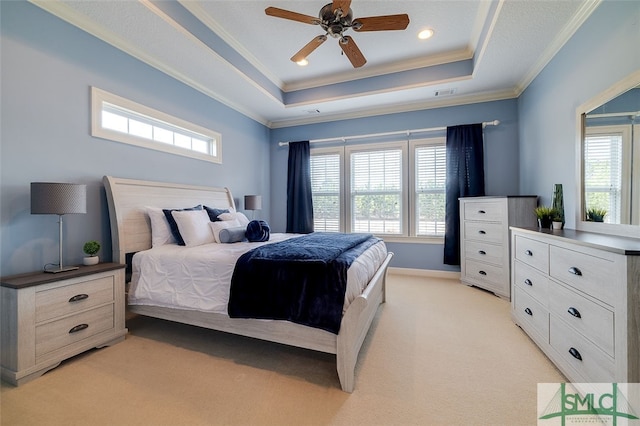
(595, 214)
(556, 221)
(91, 249)
(545, 215)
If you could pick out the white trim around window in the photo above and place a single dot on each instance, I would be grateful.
(122, 120)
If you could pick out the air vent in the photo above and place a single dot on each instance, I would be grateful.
(444, 92)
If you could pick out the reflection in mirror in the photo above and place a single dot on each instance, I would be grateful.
(611, 161)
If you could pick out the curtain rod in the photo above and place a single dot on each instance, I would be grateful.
(399, 132)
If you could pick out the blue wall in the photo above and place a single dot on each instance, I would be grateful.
(602, 52)
(48, 67)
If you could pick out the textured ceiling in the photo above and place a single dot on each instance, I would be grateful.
(235, 53)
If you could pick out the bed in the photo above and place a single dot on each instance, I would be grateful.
(128, 201)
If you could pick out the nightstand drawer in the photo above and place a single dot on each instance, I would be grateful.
(531, 311)
(492, 253)
(63, 332)
(534, 253)
(592, 320)
(576, 351)
(73, 298)
(484, 211)
(487, 232)
(593, 275)
(532, 281)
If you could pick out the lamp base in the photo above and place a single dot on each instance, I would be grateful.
(61, 269)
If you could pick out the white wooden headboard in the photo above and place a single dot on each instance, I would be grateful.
(127, 199)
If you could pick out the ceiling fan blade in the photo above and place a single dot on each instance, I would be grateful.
(293, 16)
(350, 49)
(341, 4)
(381, 23)
(308, 48)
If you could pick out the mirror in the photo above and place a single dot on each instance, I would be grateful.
(609, 160)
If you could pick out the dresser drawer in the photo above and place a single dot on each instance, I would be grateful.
(484, 252)
(530, 311)
(494, 276)
(532, 281)
(594, 365)
(590, 274)
(590, 319)
(484, 211)
(73, 298)
(531, 252)
(487, 232)
(68, 330)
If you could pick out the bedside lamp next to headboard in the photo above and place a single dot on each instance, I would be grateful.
(60, 199)
(253, 202)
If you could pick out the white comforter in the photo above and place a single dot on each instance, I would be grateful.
(199, 278)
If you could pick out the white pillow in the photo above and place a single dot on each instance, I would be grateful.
(160, 230)
(240, 217)
(194, 227)
(216, 227)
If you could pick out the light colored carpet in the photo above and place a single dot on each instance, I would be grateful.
(438, 352)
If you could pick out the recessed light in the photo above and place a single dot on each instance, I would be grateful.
(303, 62)
(425, 34)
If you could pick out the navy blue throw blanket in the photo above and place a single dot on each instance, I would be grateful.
(302, 279)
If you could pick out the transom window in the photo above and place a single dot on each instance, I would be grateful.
(121, 120)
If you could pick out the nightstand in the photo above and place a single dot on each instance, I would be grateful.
(47, 318)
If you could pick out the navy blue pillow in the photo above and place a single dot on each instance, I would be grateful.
(174, 226)
(258, 230)
(214, 213)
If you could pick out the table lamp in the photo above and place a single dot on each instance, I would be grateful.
(253, 202)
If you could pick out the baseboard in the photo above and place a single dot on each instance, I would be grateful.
(430, 273)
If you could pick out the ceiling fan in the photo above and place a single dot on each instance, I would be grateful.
(335, 18)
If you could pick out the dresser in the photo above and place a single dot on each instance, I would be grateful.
(577, 295)
(47, 318)
(484, 239)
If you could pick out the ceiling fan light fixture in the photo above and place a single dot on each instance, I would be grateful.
(303, 62)
(425, 34)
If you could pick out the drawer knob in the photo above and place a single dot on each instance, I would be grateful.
(573, 311)
(78, 327)
(528, 282)
(482, 252)
(574, 353)
(528, 252)
(78, 297)
(482, 272)
(481, 212)
(575, 271)
(528, 311)
(481, 232)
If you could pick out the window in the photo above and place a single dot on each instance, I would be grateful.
(391, 189)
(122, 120)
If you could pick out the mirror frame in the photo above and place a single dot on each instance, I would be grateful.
(617, 89)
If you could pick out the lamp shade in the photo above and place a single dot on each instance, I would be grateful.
(58, 198)
(253, 202)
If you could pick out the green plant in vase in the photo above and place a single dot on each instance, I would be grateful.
(545, 215)
(595, 214)
(91, 249)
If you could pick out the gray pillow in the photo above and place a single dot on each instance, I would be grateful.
(232, 235)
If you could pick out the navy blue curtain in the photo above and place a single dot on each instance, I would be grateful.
(299, 202)
(465, 178)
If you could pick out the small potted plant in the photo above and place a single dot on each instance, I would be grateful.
(595, 214)
(91, 249)
(556, 221)
(545, 215)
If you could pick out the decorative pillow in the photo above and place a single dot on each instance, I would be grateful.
(258, 230)
(194, 227)
(214, 213)
(232, 235)
(160, 231)
(240, 217)
(172, 222)
(216, 227)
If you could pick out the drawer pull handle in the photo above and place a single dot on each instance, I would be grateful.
(481, 232)
(482, 272)
(528, 282)
(574, 353)
(78, 327)
(575, 271)
(528, 311)
(481, 212)
(528, 252)
(573, 311)
(482, 252)
(78, 297)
